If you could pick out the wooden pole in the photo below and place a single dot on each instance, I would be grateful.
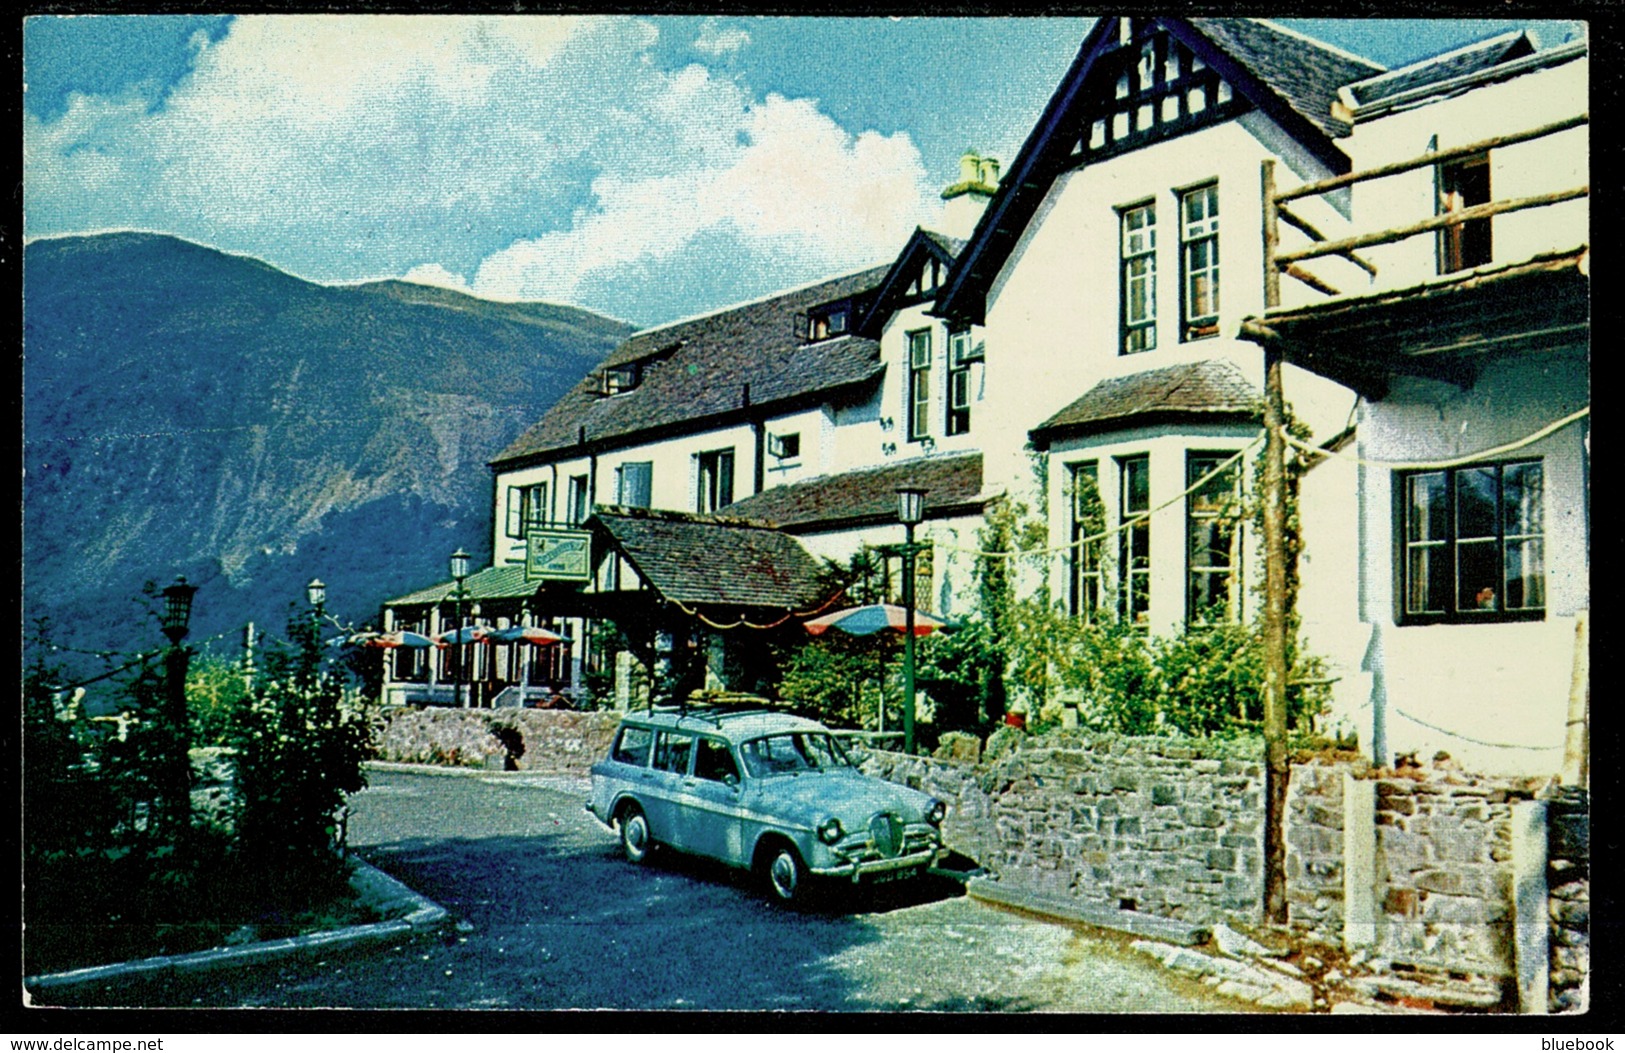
(1275, 614)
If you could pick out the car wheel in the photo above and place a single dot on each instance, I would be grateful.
(636, 841)
(785, 874)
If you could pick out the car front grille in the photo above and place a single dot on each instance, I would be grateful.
(887, 838)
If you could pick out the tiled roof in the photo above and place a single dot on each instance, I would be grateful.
(715, 560)
(1457, 63)
(1302, 70)
(492, 583)
(951, 481)
(1211, 387)
(699, 368)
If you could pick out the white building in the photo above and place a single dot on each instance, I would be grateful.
(1091, 327)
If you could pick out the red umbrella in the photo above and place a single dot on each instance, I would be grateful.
(466, 635)
(875, 617)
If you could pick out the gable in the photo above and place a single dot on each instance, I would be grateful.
(915, 277)
(1138, 81)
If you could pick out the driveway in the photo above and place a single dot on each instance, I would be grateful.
(549, 916)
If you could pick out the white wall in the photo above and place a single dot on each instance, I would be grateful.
(1553, 163)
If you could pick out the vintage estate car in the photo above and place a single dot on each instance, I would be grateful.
(760, 789)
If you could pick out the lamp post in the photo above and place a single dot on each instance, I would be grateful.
(459, 572)
(910, 511)
(316, 593)
(176, 622)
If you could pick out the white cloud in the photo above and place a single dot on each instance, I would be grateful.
(540, 155)
(716, 40)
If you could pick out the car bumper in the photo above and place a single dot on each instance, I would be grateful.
(858, 870)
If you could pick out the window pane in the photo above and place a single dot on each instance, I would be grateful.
(1477, 576)
(1136, 484)
(1525, 575)
(1429, 516)
(1521, 494)
(1475, 503)
(671, 752)
(1429, 574)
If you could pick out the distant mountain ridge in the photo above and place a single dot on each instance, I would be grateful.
(189, 411)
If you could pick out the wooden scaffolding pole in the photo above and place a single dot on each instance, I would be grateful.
(1275, 614)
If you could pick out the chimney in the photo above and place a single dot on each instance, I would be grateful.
(978, 180)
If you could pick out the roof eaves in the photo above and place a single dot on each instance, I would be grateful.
(1405, 100)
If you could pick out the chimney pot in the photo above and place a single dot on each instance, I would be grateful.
(969, 166)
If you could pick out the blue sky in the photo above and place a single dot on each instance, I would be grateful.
(646, 168)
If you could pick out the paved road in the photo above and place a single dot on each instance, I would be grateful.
(551, 917)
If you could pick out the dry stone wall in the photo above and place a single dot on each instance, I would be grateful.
(561, 742)
(1166, 826)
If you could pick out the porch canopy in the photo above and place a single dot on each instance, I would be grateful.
(1440, 329)
(723, 565)
(492, 583)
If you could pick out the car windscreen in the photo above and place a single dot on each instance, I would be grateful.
(793, 752)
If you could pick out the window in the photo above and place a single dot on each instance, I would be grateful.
(632, 746)
(961, 353)
(1213, 537)
(715, 482)
(1463, 184)
(919, 384)
(672, 751)
(633, 483)
(891, 572)
(1139, 265)
(785, 447)
(1199, 262)
(1473, 547)
(580, 504)
(1134, 540)
(715, 762)
(527, 505)
(622, 378)
(1088, 520)
(827, 322)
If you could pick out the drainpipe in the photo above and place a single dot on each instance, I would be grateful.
(758, 432)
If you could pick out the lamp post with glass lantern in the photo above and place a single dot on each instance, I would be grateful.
(910, 511)
(176, 621)
(459, 573)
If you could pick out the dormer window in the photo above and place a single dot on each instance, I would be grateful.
(825, 322)
(622, 378)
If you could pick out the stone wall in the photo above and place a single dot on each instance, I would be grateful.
(556, 741)
(1166, 826)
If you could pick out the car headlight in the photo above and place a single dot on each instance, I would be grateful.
(829, 831)
(934, 815)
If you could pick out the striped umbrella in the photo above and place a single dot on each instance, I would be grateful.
(874, 618)
(466, 635)
(400, 638)
(531, 634)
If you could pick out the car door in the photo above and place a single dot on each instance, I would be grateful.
(673, 752)
(708, 821)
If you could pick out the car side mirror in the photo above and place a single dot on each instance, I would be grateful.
(731, 780)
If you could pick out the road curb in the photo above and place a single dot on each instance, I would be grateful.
(383, 891)
(1134, 923)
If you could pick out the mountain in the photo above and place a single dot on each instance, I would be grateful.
(191, 412)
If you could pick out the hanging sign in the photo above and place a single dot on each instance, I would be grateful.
(558, 555)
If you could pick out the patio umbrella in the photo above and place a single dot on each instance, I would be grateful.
(401, 638)
(531, 634)
(875, 617)
(466, 635)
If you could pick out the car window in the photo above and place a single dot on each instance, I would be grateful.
(792, 752)
(632, 747)
(715, 762)
(672, 751)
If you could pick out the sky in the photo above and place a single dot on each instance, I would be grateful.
(646, 168)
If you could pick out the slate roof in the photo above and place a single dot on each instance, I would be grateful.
(1457, 63)
(1209, 388)
(714, 560)
(1303, 71)
(698, 369)
(952, 481)
(491, 583)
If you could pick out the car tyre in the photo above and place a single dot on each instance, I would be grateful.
(786, 874)
(636, 841)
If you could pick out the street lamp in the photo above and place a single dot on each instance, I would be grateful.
(316, 593)
(176, 622)
(459, 572)
(910, 511)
